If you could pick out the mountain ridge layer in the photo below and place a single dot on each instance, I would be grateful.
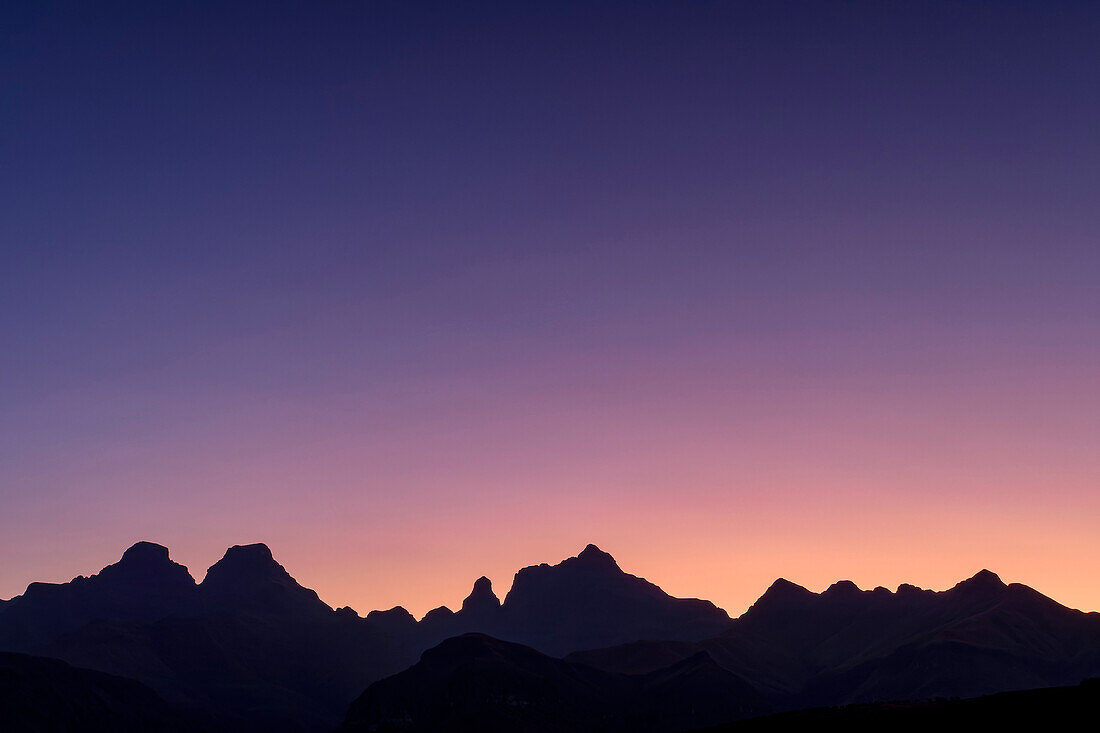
(250, 643)
(252, 646)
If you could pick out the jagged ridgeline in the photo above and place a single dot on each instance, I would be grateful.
(577, 645)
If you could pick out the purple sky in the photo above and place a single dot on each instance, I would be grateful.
(420, 292)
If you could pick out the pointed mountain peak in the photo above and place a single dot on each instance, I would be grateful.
(783, 588)
(592, 555)
(481, 598)
(590, 565)
(780, 595)
(983, 579)
(988, 576)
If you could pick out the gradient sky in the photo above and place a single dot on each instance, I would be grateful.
(415, 293)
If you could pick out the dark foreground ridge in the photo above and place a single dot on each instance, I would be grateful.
(1052, 708)
(39, 694)
(476, 683)
(573, 646)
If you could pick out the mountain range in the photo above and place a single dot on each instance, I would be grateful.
(573, 646)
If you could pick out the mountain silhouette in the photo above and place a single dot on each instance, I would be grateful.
(248, 644)
(252, 645)
(477, 683)
(585, 600)
(847, 645)
(248, 580)
(582, 602)
(482, 601)
(38, 694)
(460, 685)
(144, 585)
(255, 650)
(1051, 708)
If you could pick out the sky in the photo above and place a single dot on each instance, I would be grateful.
(417, 292)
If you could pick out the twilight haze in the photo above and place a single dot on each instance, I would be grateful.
(416, 293)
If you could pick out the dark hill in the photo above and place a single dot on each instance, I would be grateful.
(40, 695)
(477, 683)
(1055, 708)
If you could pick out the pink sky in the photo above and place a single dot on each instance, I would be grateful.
(416, 294)
(710, 476)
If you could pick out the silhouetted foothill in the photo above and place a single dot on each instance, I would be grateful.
(39, 694)
(471, 646)
(477, 683)
(1052, 708)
